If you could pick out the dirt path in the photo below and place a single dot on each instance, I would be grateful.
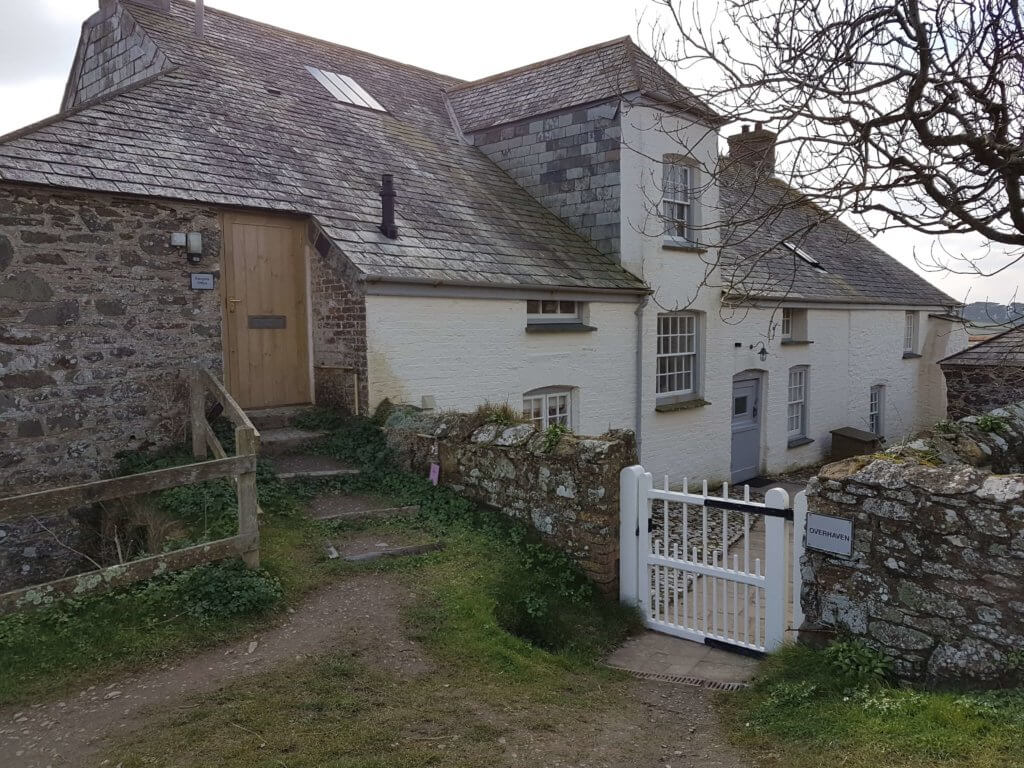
(361, 613)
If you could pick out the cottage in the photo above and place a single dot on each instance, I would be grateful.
(319, 224)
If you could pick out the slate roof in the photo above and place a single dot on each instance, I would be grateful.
(766, 212)
(612, 69)
(1006, 348)
(239, 121)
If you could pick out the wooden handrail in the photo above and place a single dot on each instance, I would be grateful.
(44, 502)
(232, 410)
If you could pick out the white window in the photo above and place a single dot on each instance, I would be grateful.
(551, 405)
(876, 410)
(787, 323)
(677, 354)
(553, 311)
(679, 203)
(910, 332)
(797, 403)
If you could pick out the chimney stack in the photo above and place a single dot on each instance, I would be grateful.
(387, 199)
(754, 148)
(200, 19)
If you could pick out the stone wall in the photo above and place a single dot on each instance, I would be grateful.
(37, 550)
(936, 580)
(570, 495)
(97, 324)
(569, 161)
(974, 389)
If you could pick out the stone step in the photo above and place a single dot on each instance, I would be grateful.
(291, 466)
(278, 441)
(377, 554)
(276, 418)
(356, 507)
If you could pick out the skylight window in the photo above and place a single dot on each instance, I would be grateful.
(805, 256)
(345, 89)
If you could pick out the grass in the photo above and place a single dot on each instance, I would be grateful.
(803, 714)
(78, 642)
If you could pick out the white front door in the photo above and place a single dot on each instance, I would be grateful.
(746, 429)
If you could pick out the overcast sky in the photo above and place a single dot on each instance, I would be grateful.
(464, 38)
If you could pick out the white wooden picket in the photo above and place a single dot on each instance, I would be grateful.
(697, 568)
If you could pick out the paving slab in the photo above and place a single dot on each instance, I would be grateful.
(657, 655)
(356, 507)
(302, 465)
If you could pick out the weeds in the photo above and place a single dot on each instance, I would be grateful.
(553, 436)
(990, 423)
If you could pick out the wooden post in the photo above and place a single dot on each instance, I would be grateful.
(197, 412)
(246, 443)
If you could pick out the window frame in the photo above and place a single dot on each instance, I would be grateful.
(786, 325)
(876, 410)
(910, 332)
(675, 195)
(691, 357)
(545, 395)
(803, 372)
(554, 317)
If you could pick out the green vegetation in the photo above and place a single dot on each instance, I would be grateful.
(990, 423)
(522, 584)
(807, 704)
(500, 414)
(553, 436)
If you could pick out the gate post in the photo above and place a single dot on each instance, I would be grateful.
(775, 571)
(799, 532)
(629, 542)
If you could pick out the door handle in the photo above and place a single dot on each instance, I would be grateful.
(231, 304)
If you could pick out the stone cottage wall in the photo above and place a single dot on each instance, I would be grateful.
(97, 323)
(974, 389)
(936, 580)
(569, 495)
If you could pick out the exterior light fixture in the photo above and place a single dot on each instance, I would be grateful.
(763, 352)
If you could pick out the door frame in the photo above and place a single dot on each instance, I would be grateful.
(301, 225)
(757, 376)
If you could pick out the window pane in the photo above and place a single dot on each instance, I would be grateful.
(567, 307)
(533, 307)
(549, 307)
(739, 406)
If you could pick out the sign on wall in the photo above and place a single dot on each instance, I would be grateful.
(202, 281)
(830, 534)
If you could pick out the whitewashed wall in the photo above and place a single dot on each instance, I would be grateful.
(464, 352)
(853, 349)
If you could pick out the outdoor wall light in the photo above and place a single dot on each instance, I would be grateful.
(763, 352)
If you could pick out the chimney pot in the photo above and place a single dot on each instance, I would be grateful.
(754, 148)
(387, 199)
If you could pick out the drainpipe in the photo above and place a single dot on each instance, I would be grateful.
(639, 312)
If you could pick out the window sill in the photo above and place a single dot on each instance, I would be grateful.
(559, 328)
(796, 442)
(910, 355)
(796, 342)
(670, 404)
(679, 244)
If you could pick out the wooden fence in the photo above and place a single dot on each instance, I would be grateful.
(241, 468)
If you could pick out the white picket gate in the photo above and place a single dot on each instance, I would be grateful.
(698, 568)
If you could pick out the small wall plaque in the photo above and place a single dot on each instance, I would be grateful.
(202, 281)
(267, 322)
(830, 534)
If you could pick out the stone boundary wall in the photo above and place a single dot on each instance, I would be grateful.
(975, 389)
(936, 580)
(569, 495)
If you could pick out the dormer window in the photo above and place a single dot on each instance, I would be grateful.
(345, 89)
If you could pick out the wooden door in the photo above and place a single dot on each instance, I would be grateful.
(746, 429)
(265, 311)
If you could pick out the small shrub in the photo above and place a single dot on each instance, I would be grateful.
(990, 423)
(858, 664)
(226, 589)
(947, 427)
(503, 414)
(553, 436)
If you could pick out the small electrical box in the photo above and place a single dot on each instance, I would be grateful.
(179, 240)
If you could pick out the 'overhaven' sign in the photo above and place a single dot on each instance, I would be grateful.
(830, 534)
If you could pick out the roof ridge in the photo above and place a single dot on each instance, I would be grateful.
(18, 133)
(304, 36)
(541, 63)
